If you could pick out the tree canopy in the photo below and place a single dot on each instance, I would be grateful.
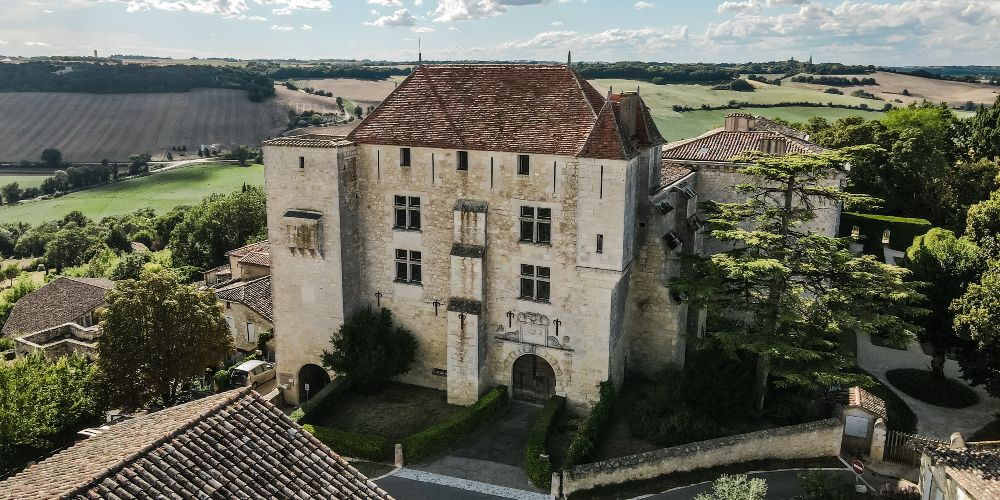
(370, 350)
(977, 322)
(219, 224)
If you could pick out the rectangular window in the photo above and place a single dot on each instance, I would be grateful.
(406, 212)
(463, 160)
(536, 225)
(404, 157)
(302, 162)
(523, 165)
(408, 267)
(251, 333)
(535, 281)
(600, 243)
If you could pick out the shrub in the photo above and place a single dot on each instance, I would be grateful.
(370, 350)
(351, 444)
(923, 385)
(539, 467)
(741, 85)
(738, 487)
(222, 380)
(440, 437)
(585, 441)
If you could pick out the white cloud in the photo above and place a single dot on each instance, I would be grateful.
(284, 11)
(418, 3)
(452, 28)
(306, 27)
(401, 17)
(48, 11)
(387, 3)
(37, 44)
(4, 42)
(221, 7)
(557, 23)
(643, 5)
(277, 27)
(463, 10)
(642, 39)
(422, 29)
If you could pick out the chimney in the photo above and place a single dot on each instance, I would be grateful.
(957, 441)
(629, 110)
(739, 122)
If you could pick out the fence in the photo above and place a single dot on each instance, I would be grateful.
(903, 448)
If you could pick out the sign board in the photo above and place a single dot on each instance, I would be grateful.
(857, 466)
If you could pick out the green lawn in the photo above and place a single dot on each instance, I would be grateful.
(162, 192)
(23, 181)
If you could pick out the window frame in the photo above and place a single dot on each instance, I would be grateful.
(600, 243)
(412, 262)
(302, 163)
(535, 276)
(537, 222)
(523, 164)
(462, 161)
(405, 157)
(409, 209)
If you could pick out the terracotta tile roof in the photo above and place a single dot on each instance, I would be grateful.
(518, 108)
(861, 398)
(975, 469)
(671, 173)
(223, 269)
(255, 294)
(257, 259)
(310, 141)
(721, 145)
(60, 301)
(229, 445)
(606, 140)
(260, 246)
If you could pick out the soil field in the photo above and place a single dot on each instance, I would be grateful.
(92, 127)
(891, 85)
(678, 126)
(162, 192)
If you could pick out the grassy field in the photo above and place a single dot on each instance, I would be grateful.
(162, 192)
(23, 181)
(891, 85)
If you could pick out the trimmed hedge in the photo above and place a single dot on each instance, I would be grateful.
(427, 443)
(351, 444)
(585, 441)
(540, 468)
(902, 230)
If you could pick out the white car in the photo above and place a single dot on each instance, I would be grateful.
(252, 373)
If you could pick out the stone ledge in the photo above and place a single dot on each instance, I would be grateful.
(474, 206)
(463, 250)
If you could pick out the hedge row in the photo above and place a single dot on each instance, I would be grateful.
(587, 437)
(539, 466)
(351, 444)
(425, 444)
(902, 230)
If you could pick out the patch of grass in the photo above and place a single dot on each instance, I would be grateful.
(398, 411)
(162, 192)
(23, 181)
(924, 386)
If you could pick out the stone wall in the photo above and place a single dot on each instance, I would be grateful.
(809, 440)
(238, 315)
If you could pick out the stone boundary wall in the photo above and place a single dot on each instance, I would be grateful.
(810, 440)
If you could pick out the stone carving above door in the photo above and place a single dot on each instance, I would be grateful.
(532, 328)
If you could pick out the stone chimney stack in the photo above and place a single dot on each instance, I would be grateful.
(630, 104)
(957, 441)
(739, 122)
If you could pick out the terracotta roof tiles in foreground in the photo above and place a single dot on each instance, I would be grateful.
(230, 445)
(976, 468)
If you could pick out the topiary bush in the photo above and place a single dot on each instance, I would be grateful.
(427, 443)
(539, 467)
(922, 385)
(587, 437)
(351, 444)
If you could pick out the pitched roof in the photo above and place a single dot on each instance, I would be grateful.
(671, 173)
(257, 259)
(255, 294)
(976, 468)
(60, 301)
(518, 108)
(721, 145)
(229, 445)
(607, 140)
(856, 396)
(260, 246)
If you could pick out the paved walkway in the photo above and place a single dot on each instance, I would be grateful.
(413, 484)
(932, 421)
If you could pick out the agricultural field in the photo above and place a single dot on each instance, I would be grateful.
(891, 85)
(363, 92)
(23, 181)
(678, 126)
(162, 192)
(92, 127)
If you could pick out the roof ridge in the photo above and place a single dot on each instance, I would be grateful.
(375, 112)
(576, 79)
(118, 466)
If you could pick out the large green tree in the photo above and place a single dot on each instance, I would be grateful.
(983, 226)
(946, 265)
(156, 335)
(370, 350)
(977, 322)
(74, 245)
(217, 225)
(783, 293)
(984, 132)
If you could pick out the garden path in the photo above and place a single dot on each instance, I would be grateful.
(932, 421)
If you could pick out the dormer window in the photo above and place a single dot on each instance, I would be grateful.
(671, 240)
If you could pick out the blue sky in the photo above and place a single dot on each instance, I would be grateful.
(912, 32)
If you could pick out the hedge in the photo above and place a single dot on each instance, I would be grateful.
(539, 467)
(902, 230)
(427, 443)
(585, 441)
(351, 444)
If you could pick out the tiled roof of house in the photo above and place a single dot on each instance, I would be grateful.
(861, 398)
(60, 301)
(721, 145)
(310, 141)
(223, 269)
(260, 246)
(518, 108)
(257, 259)
(607, 140)
(138, 246)
(975, 468)
(671, 173)
(230, 445)
(255, 294)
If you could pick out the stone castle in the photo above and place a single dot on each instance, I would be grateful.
(519, 222)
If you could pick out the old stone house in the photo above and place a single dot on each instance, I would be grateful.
(243, 285)
(960, 471)
(59, 318)
(521, 224)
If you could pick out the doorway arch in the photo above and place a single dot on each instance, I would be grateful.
(533, 378)
(315, 378)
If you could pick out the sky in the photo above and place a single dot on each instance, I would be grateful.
(889, 32)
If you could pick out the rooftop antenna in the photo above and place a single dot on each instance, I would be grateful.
(420, 54)
(569, 58)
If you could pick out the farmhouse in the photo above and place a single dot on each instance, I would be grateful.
(519, 222)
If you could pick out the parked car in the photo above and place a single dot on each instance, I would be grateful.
(252, 373)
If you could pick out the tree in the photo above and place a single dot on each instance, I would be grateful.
(52, 157)
(156, 335)
(984, 133)
(783, 294)
(11, 271)
(357, 111)
(369, 350)
(130, 266)
(217, 225)
(11, 193)
(965, 184)
(23, 286)
(242, 154)
(983, 226)
(947, 265)
(738, 487)
(74, 245)
(977, 324)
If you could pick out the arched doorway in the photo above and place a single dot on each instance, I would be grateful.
(312, 378)
(533, 378)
